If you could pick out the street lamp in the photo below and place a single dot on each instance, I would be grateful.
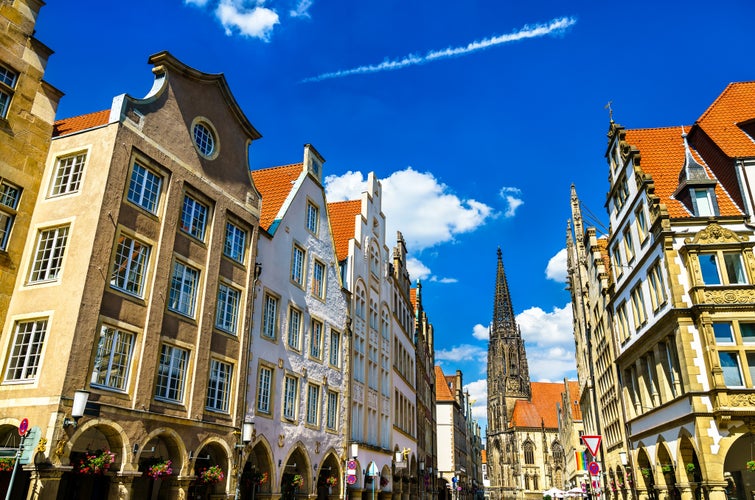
(421, 477)
(246, 435)
(80, 399)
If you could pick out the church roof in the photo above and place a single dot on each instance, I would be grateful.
(274, 184)
(442, 391)
(342, 222)
(543, 407)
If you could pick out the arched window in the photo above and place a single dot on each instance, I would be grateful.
(529, 453)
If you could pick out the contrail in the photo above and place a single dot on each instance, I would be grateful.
(557, 25)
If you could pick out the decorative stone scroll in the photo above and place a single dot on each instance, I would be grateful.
(715, 234)
(744, 296)
(742, 399)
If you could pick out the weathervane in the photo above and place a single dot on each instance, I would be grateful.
(610, 110)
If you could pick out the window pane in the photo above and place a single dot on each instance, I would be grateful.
(709, 268)
(235, 242)
(193, 217)
(294, 327)
(734, 270)
(171, 373)
(48, 260)
(227, 308)
(183, 287)
(730, 366)
(144, 188)
(297, 265)
(723, 333)
(748, 332)
(113, 359)
(26, 351)
(218, 386)
(263, 390)
(312, 217)
(703, 202)
(270, 317)
(129, 265)
(68, 174)
(315, 344)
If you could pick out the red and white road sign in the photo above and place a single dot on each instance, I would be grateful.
(594, 468)
(592, 443)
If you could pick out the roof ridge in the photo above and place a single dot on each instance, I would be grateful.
(82, 115)
(279, 167)
(720, 97)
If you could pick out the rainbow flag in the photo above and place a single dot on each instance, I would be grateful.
(581, 460)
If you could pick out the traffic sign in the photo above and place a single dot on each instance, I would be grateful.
(592, 443)
(594, 468)
(23, 427)
(351, 479)
(351, 464)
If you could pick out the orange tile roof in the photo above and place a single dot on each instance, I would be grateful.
(442, 391)
(274, 184)
(576, 411)
(413, 297)
(342, 223)
(721, 121)
(662, 156)
(78, 123)
(484, 456)
(541, 408)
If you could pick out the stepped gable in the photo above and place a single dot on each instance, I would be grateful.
(274, 184)
(75, 124)
(662, 156)
(342, 223)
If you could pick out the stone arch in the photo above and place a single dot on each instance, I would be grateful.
(102, 434)
(258, 474)
(297, 463)
(211, 452)
(165, 440)
(386, 482)
(687, 457)
(735, 470)
(328, 476)
(645, 469)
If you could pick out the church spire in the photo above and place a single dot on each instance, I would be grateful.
(504, 323)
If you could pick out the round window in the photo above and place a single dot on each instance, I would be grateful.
(204, 139)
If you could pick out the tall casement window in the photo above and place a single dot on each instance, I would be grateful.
(290, 397)
(722, 268)
(628, 245)
(529, 453)
(226, 317)
(144, 188)
(618, 264)
(318, 279)
(657, 288)
(171, 374)
(315, 339)
(9, 196)
(26, 351)
(297, 265)
(622, 322)
(235, 242)
(48, 256)
(264, 389)
(113, 359)
(8, 79)
(335, 348)
(129, 266)
(641, 224)
(704, 201)
(194, 217)
(735, 341)
(182, 295)
(638, 306)
(313, 404)
(68, 173)
(219, 386)
(331, 422)
(294, 329)
(270, 317)
(313, 217)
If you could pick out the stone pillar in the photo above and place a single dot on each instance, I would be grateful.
(385, 495)
(355, 493)
(121, 485)
(641, 493)
(686, 491)
(45, 481)
(716, 490)
(179, 487)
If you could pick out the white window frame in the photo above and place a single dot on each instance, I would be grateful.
(316, 329)
(313, 217)
(295, 317)
(25, 354)
(657, 286)
(227, 308)
(290, 397)
(48, 254)
(8, 81)
(318, 279)
(264, 389)
(10, 195)
(144, 188)
(171, 374)
(724, 273)
(182, 294)
(194, 217)
(69, 171)
(313, 405)
(130, 263)
(270, 316)
(112, 361)
(331, 421)
(335, 348)
(298, 258)
(234, 246)
(219, 386)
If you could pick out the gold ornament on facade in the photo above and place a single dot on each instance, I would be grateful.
(281, 440)
(729, 296)
(42, 446)
(715, 234)
(741, 400)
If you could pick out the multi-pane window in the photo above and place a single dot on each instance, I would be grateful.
(48, 257)
(290, 397)
(264, 388)
(331, 422)
(618, 264)
(731, 273)
(313, 404)
(638, 306)
(335, 348)
(315, 340)
(313, 217)
(622, 322)
(113, 358)
(235, 242)
(129, 265)
(270, 316)
(318, 279)
(628, 245)
(183, 289)
(736, 354)
(219, 386)
(144, 188)
(171, 374)
(204, 139)
(294, 328)
(9, 196)
(26, 352)
(68, 174)
(641, 224)
(8, 80)
(529, 453)
(297, 265)
(194, 217)
(657, 288)
(226, 317)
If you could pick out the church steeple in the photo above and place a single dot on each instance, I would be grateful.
(503, 312)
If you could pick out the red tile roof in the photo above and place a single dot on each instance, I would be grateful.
(484, 455)
(722, 120)
(342, 223)
(442, 391)
(78, 123)
(413, 297)
(542, 408)
(274, 184)
(662, 156)
(576, 411)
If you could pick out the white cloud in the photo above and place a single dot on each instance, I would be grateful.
(556, 269)
(301, 9)
(463, 352)
(257, 22)
(512, 197)
(554, 26)
(478, 396)
(481, 332)
(417, 270)
(550, 343)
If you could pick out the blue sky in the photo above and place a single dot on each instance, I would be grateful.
(478, 116)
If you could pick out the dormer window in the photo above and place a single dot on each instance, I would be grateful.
(696, 190)
(703, 201)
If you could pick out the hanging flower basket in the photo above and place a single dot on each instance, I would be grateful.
(383, 482)
(211, 475)
(331, 481)
(690, 468)
(667, 469)
(161, 469)
(6, 464)
(259, 477)
(645, 471)
(751, 465)
(297, 481)
(95, 463)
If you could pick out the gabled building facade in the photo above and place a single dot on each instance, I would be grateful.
(135, 289)
(298, 376)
